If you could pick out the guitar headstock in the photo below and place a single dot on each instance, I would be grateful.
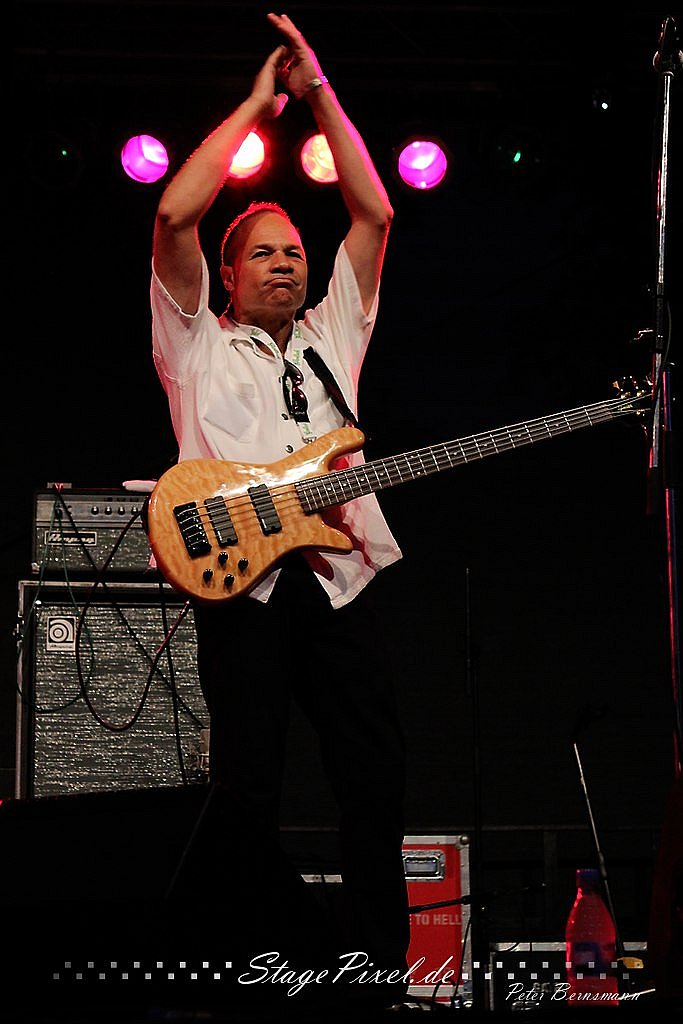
(634, 391)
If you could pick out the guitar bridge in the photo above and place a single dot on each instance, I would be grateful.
(192, 529)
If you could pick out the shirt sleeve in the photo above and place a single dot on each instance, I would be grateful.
(341, 329)
(176, 335)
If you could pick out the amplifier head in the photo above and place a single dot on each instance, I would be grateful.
(76, 530)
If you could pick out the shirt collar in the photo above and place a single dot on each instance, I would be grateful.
(244, 332)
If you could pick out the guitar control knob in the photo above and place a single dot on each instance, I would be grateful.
(229, 580)
(207, 574)
(242, 564)
(223, 557)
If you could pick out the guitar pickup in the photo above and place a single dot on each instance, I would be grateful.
(221, 521)
(266, 512)
(192, 529)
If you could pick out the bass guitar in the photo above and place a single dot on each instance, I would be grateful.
(217, 528)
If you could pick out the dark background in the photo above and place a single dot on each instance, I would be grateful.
(532, 586)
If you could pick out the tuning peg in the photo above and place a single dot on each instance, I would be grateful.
(647, 334)
(628, 387)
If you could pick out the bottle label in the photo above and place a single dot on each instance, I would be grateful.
(590, 958)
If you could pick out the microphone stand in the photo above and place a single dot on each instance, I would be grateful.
(583, 719)
(478, 906)
(667, 62)
(473, 897)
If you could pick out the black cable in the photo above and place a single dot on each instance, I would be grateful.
(193, 834)
(83, 681)
(100, 580)
(131, 722)
(26, 620)
(174, 689)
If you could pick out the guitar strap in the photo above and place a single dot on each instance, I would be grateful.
(324, 374)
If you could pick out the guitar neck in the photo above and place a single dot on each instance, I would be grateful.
(339, 486)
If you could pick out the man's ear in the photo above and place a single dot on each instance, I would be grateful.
(228, 278)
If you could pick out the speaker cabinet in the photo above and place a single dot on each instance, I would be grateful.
(102, 702)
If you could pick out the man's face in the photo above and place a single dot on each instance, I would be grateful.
(267, 276)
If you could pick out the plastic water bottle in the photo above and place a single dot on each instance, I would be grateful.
(591, 946)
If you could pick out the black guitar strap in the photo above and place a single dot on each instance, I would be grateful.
(323, 373)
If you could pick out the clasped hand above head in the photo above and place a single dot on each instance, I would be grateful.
(293, 63)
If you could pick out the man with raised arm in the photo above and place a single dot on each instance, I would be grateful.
(241, 388)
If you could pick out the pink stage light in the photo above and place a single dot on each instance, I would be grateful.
(249, 158)
(317, 160)
(144, 159)
(422, 164)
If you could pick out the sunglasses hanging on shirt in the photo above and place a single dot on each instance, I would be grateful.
(295, 399)
(292, 381)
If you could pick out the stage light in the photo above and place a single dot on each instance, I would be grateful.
(602, 99)
(422, 164)
(317, 160)
(144, 159)
(518, 154)
(249, 158)
(54, 159)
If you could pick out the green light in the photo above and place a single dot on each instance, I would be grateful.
(517, 157)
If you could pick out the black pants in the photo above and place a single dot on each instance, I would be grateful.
(254, 658)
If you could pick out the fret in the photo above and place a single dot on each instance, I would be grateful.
(463, 455)
(447, 453)
(481, 448)
(398, 469)
(418, 459)
(376, 470)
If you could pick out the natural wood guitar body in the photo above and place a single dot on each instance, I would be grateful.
(212, 576)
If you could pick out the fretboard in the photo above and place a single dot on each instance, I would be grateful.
(340, 486)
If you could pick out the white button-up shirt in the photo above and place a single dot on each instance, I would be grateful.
(226, 402)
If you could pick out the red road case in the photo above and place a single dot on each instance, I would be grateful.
(437, 875)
